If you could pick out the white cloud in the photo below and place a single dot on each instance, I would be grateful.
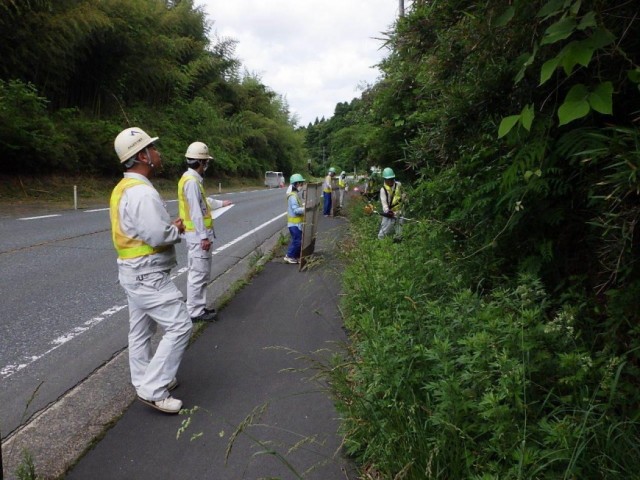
(315, 53)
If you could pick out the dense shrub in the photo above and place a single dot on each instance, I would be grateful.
(442, 381)
(27, 133)
(500, 338)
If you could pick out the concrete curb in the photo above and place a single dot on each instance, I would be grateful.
(57, 436)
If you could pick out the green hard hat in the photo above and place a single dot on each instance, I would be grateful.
(388, 173)
(332, 170)
(295, 178)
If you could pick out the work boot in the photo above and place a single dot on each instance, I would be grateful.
(291, 260)
(205, 316)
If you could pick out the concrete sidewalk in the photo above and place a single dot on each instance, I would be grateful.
(257, 408)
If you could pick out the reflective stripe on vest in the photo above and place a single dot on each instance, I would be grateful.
(125, 246)
(296, 219)
(185, 211)
(341, 182)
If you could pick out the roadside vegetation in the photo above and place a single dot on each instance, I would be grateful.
(500, 338)
(56, 191)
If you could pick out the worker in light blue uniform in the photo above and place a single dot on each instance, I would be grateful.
(144, 238)
(295, 217)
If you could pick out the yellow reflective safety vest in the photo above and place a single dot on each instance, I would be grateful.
(394, 198)
(297, 218)
(125, 246)
(341, 182)
(183, 207)
(327, 184)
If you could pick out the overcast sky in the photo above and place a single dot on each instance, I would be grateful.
(315, 53)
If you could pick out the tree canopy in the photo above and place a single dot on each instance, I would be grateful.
(75, 72)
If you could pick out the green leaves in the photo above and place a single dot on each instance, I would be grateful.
(506, 17)
(601, 98)
(559, 31)
(550, 9)
(507, 124)
(575, 105)
(580, 101)
(525, 118)
(576, 53)
(634, 75)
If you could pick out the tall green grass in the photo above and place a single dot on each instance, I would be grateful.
(441, 380)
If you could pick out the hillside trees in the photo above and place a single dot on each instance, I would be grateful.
(500, 338)
(347, 141)
(98, 67)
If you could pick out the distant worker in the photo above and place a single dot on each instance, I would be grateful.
(391, 198)
(326, 191)
(342, 185)
(295, 215)
(195, 208)
(144, 237)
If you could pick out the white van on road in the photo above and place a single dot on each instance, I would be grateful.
(273, 179)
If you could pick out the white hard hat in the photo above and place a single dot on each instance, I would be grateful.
(131, 141)
(198, 151)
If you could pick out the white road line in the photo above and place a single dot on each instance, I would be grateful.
(250, 232)
(219, 211)
(106, 209)
(9, 370)
(37, 218)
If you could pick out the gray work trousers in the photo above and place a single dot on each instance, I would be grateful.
(198, 278)
(154, 301)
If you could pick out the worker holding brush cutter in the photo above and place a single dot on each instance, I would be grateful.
(391, 198)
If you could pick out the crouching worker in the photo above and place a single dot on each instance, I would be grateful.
(295, 215)
(144, 238)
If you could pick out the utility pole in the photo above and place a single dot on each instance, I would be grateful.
(401, 7)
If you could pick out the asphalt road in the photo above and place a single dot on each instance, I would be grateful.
(63, 314)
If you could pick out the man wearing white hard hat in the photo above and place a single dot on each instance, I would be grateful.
(144, 237)
(195, 209)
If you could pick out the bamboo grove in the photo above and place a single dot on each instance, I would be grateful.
(73, 73)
